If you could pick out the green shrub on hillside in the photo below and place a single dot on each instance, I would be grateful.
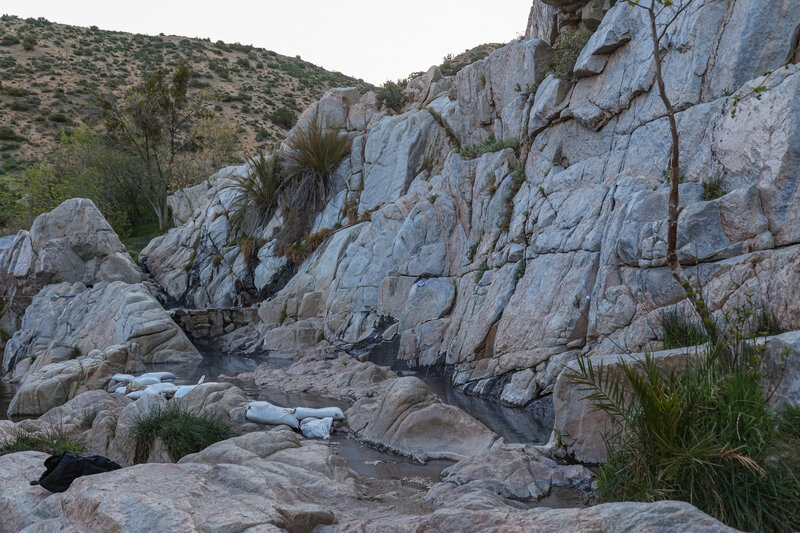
(390, 96)
(9, 40)
(284, 117)
(29, 42)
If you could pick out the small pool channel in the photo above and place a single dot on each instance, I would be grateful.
(6, 394)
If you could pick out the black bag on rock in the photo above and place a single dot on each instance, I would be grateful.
(63, 469)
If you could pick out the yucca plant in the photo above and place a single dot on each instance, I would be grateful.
(312, 157)
(701, 432)
(256, 193)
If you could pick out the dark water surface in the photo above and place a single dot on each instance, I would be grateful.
(514, 424)
(6, 393)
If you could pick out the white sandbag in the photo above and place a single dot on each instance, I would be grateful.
(325, 412)
(316, 428)
(122, 378)
(121, 390)
(160, 376)
(165, 389)
(145, 381)
(266, 413)
(183, 390)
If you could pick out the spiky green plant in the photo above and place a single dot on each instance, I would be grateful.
(256, 193)
(312, 157)
(701, 432)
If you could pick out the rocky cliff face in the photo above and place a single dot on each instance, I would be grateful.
(509, 264)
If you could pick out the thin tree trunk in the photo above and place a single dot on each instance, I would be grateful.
(694, 294)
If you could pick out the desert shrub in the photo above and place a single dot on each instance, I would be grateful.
(701, 432)
(16, 92)
(566, 51)
(7, 134)
(181, 432)
(29, 42)
(679, 331)
(491, 144)
(54, 443)
(257, 194)
(713, 189)
(283, 117)
(390, 95)
(9, 40)
(60, 118)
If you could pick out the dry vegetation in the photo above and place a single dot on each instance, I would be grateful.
(51, 73)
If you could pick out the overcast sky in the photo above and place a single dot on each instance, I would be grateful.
(371, 39)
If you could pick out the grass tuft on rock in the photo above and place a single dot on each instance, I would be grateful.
(53, 443)
(713, 189)
(679, 331)
(181, 432)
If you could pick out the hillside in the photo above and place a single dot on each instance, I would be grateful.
(51, 72)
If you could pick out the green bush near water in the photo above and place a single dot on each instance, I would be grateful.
(702, 433)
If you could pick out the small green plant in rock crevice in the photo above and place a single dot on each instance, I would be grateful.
(517, 179)
(713, 189)
(520, 270)
(566, 51)
(491, 144)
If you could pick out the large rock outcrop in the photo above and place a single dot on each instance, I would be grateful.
(73, 338)
(508, 265)
(69, 319)
(72, 243)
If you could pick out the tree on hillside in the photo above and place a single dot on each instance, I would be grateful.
(157, 122)
(661, 15)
